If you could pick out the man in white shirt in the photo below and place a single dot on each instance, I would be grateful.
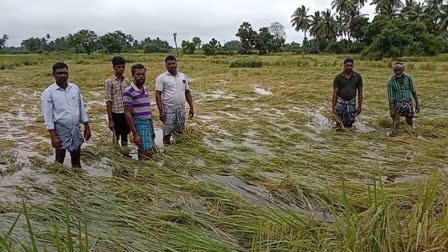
(64, 110)
(172, 91)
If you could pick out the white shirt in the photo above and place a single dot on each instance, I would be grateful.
(173, 89)
(63, 106)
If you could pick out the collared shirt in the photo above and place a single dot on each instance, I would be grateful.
(139, 101)
(348, 87)
(173, 89)
(114, 89)
(399, 92)
(63, 106)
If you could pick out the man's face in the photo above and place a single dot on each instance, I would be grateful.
(171, 65)
(61, 75)
(398, 71)
(139, 76)
(348, 67)
(119, 69)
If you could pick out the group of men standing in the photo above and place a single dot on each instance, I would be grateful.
(401, 92)
(128, 105)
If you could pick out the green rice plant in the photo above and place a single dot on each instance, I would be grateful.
(246, 63)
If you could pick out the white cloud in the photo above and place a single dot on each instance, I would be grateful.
(148, 18)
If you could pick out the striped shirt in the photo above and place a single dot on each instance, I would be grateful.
(139, 101)
(114, 89)
(399, 92)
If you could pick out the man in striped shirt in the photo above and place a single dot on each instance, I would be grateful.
(137, 109)
(401, 90)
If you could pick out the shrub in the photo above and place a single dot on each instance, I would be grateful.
(247, 62)
(152, 48)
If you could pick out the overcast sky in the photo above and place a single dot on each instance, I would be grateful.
(149, 18)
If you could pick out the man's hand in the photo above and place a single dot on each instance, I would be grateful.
(56, 142)
(417, 108)
(191, 113)
(87, 133)
(162, 117)
(358, 111)
(111, 124)
(138, 140)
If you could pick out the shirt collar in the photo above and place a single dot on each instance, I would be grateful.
(136, 88)
(56, 87)
(117, 79)
(351, 77)
(168, 73)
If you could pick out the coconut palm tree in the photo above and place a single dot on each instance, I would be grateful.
(326, 27)
(387, 7)
(413, 11)
(343, 6)
(300, 19)
(343, 25)
(315, 20)
(442, 18)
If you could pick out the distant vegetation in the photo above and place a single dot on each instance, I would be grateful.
(398, 29)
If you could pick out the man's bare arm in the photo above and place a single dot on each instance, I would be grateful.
(360, 100)
(162, 114)
(130, 121)
(190, 102)
(335, 99)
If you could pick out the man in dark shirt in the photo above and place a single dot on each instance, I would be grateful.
(346, 86)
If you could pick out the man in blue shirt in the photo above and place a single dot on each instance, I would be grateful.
(64, 111)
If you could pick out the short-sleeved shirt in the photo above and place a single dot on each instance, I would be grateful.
(348, 87)
(173, 89)
(114, 89)
(399, 92)
(139, 101)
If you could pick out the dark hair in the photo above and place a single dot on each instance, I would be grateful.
(170, 57)
(59, 65)
(349, 60)
(117, 60)
(137, 66)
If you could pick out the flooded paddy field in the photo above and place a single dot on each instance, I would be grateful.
(261, 167)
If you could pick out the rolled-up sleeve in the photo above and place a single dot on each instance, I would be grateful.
(108, 91)
(47, 109)
(83, 118)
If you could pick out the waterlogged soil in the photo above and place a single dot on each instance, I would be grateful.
(261, 196)
(24, 138)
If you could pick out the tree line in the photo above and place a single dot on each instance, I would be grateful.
(397, 29)
(87, 41)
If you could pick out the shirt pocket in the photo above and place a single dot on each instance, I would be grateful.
(183, 85)
(74, 101)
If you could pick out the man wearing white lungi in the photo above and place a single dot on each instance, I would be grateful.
(172, 91)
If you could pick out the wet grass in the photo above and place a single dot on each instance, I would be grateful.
(255, 171)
